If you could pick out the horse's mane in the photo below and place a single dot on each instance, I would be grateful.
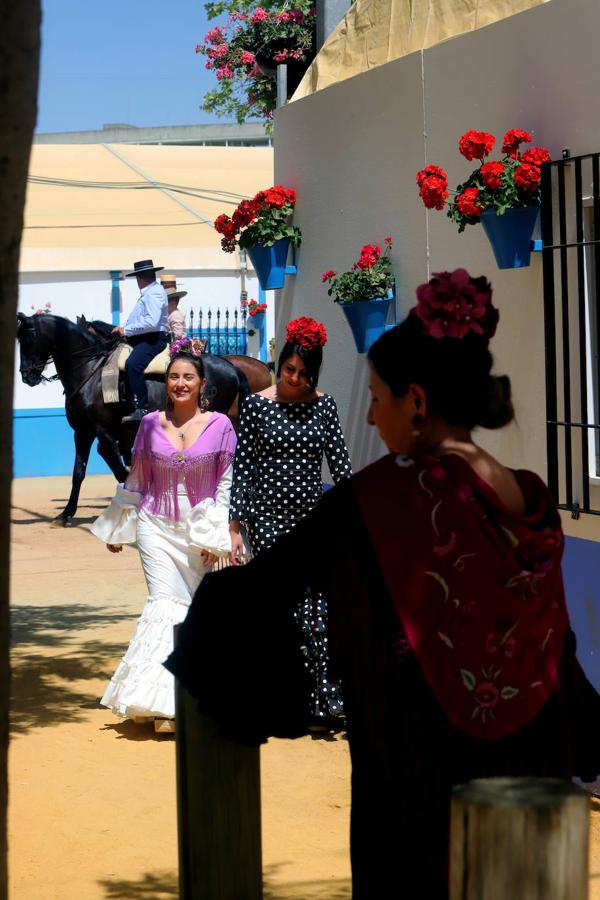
(96, 344)
(105, 329)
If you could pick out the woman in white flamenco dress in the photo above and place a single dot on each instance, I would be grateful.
(175, 506)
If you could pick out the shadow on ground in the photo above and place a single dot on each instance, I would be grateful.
(152, 886)
(49, 689)
(126, 729)
(164, 886)
(323, 889)
(95, 506)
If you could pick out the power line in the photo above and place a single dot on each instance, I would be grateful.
(119, 225)
(211, 194)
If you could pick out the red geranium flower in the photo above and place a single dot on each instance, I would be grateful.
(536, 156)
(513, 139)
(467, 202)
(327, 276)
(221, 222)
(369, 255)
(491, 173)
(476, 144)
(433, 186)
(528, 177)
(431, 170)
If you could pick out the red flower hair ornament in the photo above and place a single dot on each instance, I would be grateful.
(307, 332)
(452, 304)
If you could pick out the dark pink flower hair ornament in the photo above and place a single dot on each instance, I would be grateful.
(452, 305)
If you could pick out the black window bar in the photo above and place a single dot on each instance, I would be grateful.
(570, 216)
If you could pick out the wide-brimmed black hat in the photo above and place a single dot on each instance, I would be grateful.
(144, 265)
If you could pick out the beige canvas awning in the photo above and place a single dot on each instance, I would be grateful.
(374, 32)
(98, 207)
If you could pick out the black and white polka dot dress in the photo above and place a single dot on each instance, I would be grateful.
(277, 480)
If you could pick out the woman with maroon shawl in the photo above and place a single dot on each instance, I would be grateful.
(448, 620)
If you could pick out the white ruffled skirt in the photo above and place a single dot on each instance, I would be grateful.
(173, 569)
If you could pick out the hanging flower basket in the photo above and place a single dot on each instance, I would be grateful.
(261, 226)
(503, 195)
(510, 235)
(267, 64)
(365, 292)
(270, 263)
(367, 319)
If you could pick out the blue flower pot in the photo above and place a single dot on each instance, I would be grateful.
(269, 263)
(366, 319)
(510, 234)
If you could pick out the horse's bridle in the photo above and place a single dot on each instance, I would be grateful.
(38, 369)
(102, 352)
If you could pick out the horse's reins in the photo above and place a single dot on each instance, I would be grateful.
(103, 353)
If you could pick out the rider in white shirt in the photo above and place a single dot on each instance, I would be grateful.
(146, 332)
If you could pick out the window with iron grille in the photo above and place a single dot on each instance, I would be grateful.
(570, 220)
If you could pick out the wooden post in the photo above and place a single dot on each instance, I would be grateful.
(218, 810)
(524, 838)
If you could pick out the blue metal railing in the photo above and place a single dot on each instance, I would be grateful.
(223, 332)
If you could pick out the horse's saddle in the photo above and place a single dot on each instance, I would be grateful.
(156, 366)
(115, 364)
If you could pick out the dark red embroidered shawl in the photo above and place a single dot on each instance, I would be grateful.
(478, 589)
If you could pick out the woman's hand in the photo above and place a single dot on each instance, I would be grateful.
(237, 544)
(209, 559)
(114, 548)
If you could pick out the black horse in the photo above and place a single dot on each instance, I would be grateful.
(79, 357)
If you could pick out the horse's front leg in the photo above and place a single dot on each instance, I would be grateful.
(108, 449)
(83, 445)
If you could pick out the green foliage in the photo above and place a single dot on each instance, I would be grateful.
(370, 277)
(507, 196)
(251, 37)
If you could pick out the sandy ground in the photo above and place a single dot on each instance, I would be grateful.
(92, 802)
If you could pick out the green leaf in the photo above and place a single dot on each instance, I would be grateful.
(468, 679)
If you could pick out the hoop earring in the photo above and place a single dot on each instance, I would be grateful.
(203, 402)
(418, 422)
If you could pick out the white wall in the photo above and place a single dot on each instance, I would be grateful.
(74, 293)
(352, 151)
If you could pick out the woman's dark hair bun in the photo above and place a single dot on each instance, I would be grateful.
(454, 372)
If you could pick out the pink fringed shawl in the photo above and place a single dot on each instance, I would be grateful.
(157, 465)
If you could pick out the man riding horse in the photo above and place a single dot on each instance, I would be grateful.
(146, 331)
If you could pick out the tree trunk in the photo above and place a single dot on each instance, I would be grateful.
(523, 838)
(19, 62)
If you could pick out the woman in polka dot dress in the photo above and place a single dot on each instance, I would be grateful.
(285, 431)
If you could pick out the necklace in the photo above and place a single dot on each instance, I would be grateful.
(181, 433)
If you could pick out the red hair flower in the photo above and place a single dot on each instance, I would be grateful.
(476, 144)
(307, 332)
(491, 173)
(467, 202)
(513, 139)
(452, 304)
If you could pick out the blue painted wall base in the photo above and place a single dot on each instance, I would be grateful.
(581, 569)
(43, 445)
